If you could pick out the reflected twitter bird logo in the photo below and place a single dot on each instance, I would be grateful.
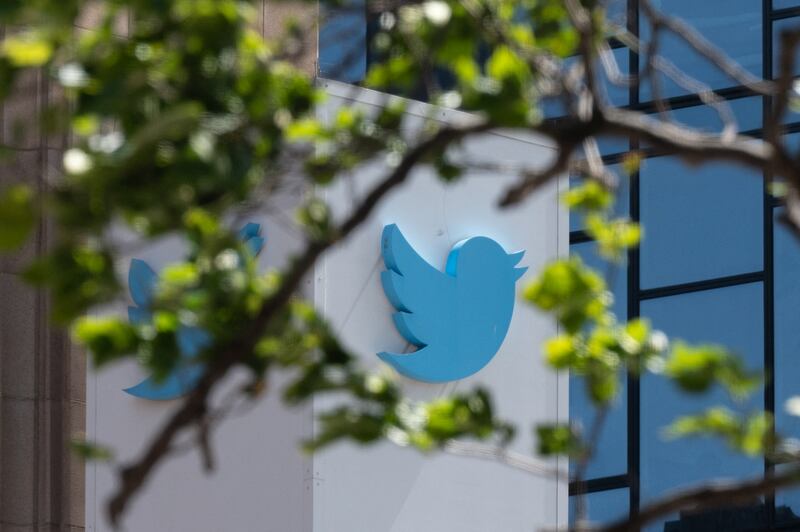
(457, 318)
(191, 341)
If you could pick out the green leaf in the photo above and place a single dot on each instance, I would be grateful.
(560, 351)
(17, 216)
(504, 63)
(613, 237)
(750, 435)
(696, 368)
(589, 196)
(108, 339)
(91, 451)
(574, 293)
(27, 50)
(558, 439)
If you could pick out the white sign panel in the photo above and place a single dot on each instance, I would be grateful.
(262, 482)
(399, 490)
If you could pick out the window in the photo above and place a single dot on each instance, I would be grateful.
(700, 223)
(735, 29)
(732, 316)
(714, 260)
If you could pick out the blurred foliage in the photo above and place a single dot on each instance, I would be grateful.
(179, 111)
(751, 435)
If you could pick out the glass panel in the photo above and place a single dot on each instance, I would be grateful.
(699, 223)
(787, 502)
(616, 95)
(736, 28)
(611, 452)
(343, 41)
(746, 111)
(602, 507)
(778, 27)
(783, 4)
(732, 317)
(622, 198)
(617, 12)
(748, 518)
(787, 349)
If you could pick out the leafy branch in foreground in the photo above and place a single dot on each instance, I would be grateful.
(190, 113)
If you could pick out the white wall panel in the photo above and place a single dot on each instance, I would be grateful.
(262, 482)
(389, 488)
(260, 479)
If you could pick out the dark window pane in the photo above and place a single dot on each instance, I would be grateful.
(617, 12)
(787, 503)
(747, 518)
(615, 94)
(734, 26)
(783, 4)
(778, 27)
(746, 111)
(343, 42)
(611, 451)
(699, 223)
(787, 350)
(622, 199)
(732, 317)
(602, 507)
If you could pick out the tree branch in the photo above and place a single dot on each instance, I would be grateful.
(705, 48)
(133, 476)
(512, 459)
(709, 496)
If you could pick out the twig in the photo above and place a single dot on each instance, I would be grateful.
(705, 48)
(512, 459)
(708, 496)
(133, 476)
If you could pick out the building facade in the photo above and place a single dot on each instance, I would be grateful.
(715, 266)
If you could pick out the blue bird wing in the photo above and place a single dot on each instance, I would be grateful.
(141, 282)
(422, 294)
(250, 234)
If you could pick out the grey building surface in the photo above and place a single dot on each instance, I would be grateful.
(42, 375)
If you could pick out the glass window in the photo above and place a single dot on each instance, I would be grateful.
(602, 507)
(343, 41)
(787, 350)
(733, 317)
(778, 27)
(783, 4)
(699, 223)
(611, 452)
(621, 203)
(616, 95)
(617, 12)
(787, 326)
(735, 29)
(746, 111)
(787, 503)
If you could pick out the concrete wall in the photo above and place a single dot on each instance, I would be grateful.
(43, 377)
(259, 482)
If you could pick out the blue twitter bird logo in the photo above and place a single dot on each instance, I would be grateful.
(142, 281)
(457, 318)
